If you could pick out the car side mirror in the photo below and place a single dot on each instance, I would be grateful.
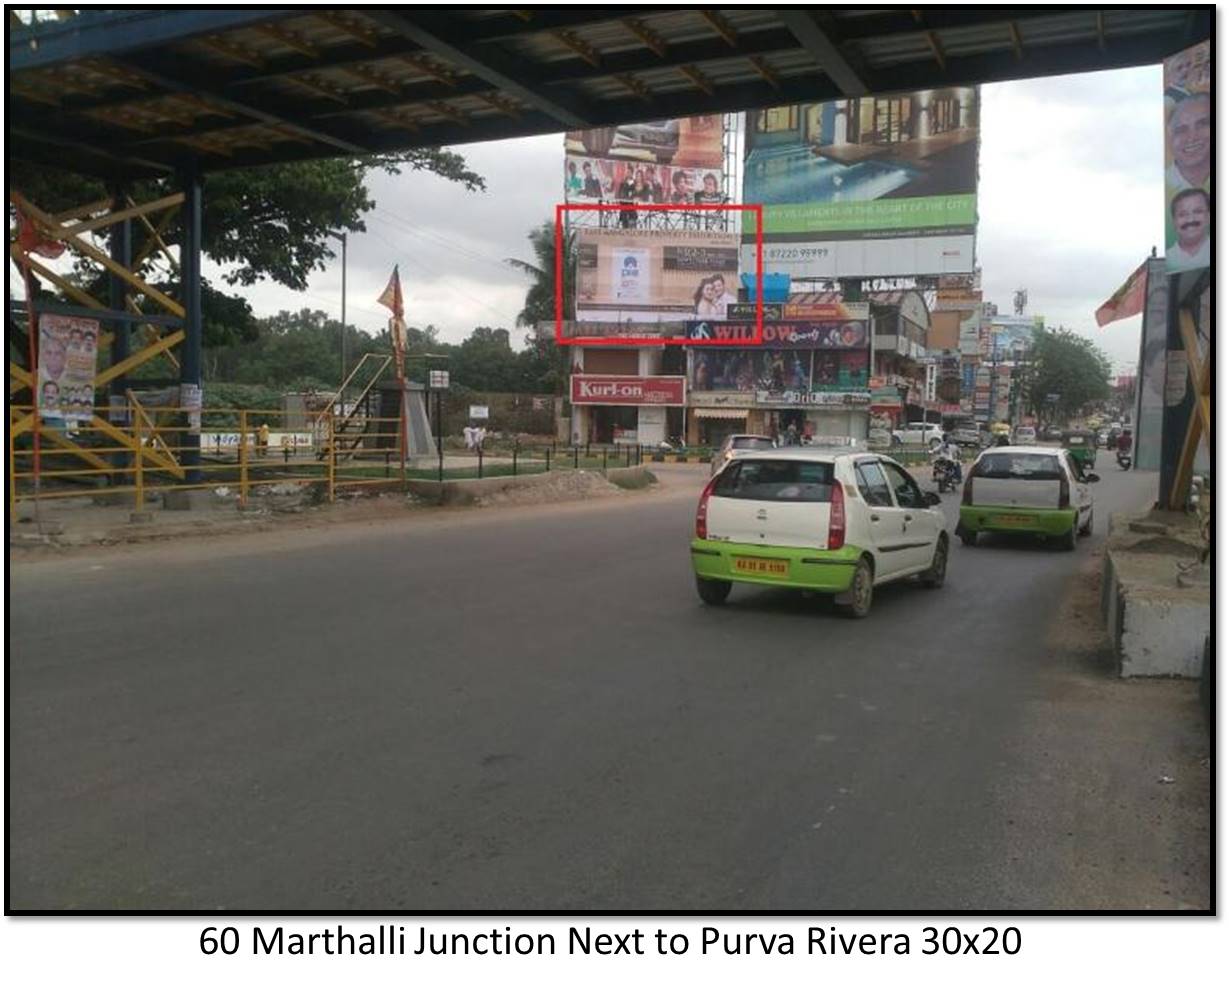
(1090, 478)
(933, 499)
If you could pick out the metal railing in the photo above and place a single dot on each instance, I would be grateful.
(146, 452)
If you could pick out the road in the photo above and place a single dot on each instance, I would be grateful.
(530, 709)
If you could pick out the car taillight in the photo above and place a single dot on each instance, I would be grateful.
(702, 510)
(967, 497)
(1064, 493)
(836, 518)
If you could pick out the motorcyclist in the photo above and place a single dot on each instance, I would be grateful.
(1124, 444)
(950, 450)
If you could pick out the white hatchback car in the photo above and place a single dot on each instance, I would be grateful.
(736, 442)
(818, 520)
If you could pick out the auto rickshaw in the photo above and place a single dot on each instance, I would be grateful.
(1083, 447)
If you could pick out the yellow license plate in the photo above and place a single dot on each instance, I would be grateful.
(759, 565)
(1015, 520)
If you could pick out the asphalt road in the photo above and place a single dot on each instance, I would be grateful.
(530, 709)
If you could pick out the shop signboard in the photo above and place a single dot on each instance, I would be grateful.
(628, 390)
(793, 397)
(679, 160)
(746, 311)
(850, 334)
(1187, 79)
(850, 187)
(643, 275)
(826, 311)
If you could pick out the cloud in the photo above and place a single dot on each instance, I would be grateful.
(1070, 201)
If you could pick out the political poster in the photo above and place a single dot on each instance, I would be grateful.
(866, 186)
(67, 362)
(1188, 159)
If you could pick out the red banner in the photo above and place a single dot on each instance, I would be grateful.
(628, 390)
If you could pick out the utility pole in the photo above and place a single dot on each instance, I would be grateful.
(341, 236)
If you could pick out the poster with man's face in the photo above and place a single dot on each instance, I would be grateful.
(1188, 159)
(67, 359)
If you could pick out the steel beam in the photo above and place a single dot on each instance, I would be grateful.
(806, 28)
(497, 67)
(190, 276)
(107, 33)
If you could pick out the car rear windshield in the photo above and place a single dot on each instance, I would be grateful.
(1031, 467)
(752, 443)
(776, 481)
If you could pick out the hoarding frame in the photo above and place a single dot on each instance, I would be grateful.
(755, 209)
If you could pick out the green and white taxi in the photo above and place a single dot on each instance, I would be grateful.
(1038, 490)
(816, 519)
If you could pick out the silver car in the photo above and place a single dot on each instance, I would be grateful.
(739, 441)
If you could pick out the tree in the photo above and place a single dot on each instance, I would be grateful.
(1066, 365)
(540, 299)
(271, 222)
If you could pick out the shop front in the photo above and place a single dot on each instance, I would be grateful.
(808, 379)
(631, 409)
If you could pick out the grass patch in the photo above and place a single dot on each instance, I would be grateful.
(633, 482)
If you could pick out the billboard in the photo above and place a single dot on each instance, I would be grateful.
(776, 372)
(849, 334)
(680, 160)
(1188, 158)
(867, 186)
(627, 274)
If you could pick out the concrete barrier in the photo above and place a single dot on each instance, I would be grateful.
(1157, 626)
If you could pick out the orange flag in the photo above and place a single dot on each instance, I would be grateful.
(391, 296)
(1127, 301)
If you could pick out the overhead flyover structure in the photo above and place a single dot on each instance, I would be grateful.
(177, 93)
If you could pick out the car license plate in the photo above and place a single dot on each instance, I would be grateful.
(1014, 520)
(761, 565)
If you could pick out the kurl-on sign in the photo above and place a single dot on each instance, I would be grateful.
(629, 390)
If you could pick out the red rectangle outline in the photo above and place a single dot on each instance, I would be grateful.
(757, 339)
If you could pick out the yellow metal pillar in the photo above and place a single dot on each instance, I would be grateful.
(243, 458)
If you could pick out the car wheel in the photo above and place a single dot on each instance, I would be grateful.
(861, 591)
(896, 441)
(935, 576)
(713, 592)
(967, 538)
(1069, 538)
(935, 443)
(1086, 529)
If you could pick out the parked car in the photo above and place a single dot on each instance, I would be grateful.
(818, 520)
(739, 441)
(1103, 438)
(1024, 435)
(924, 434)
(969, 436)
(1026, 490)
(1053, 433)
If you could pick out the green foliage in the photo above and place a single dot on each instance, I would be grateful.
(540, 299)
(1067, 365)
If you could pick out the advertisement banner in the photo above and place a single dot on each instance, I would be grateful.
(654, 275)
(867, 186)
(1187, 79)
(779, 371)
(849, 334)
(628, 390)
(67, 361)
(681, 160)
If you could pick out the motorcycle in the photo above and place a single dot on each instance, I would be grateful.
(1124, 459)
(945, 475)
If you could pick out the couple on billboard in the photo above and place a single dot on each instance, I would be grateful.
(712, 299)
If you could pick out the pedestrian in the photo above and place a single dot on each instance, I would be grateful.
(791, 435)
(262, 440)
(468, 433)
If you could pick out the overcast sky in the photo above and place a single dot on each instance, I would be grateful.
(1070, 202)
